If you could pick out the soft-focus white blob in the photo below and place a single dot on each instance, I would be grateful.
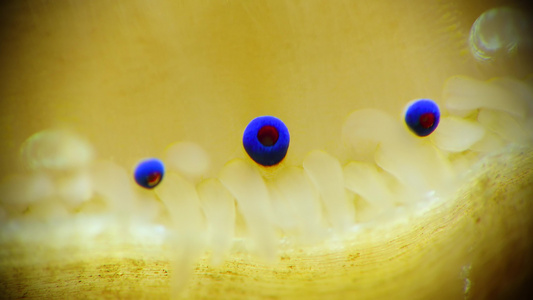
(412, 160)
(457, 134)
(462, 163)
(181, 200)
(489, 143)
(466, 272)
(56, 150)
(50, 223)
(370, 183)
(47, 211)
(303, 201)
(3, 214)
(283, 213)
(219, 209)
(148, 207)
(504, 125)
(419, 166)
(75, 189)
(326, 174)
(247, 186)
(522, 90)
(363, 130)
(19, 190)
(499, 33)
(148, 233)
(529, 81)
(188, 158)
(114, 184)
(463, 95)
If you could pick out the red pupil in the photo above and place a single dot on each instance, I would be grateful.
(268, 135)
(427, 120)
(153, 178)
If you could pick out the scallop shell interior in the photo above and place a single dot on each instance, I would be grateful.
(359, 207)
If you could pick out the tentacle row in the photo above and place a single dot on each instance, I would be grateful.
(385, 171)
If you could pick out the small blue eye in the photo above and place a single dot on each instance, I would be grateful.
(422, 117)
(266, 140)
(149, 173)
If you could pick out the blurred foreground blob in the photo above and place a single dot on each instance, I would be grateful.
(56, 150)
(266, 140)
(500, 33)
(486, 116)
(56, 180)
(187, 158)
(149, 173)
(422, 117)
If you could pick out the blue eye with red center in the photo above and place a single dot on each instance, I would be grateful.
(266, 140)
(422, 117)
(149, 173)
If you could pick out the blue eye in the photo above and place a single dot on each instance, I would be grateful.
(422, 117)
(266, 140)
(149, 173)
